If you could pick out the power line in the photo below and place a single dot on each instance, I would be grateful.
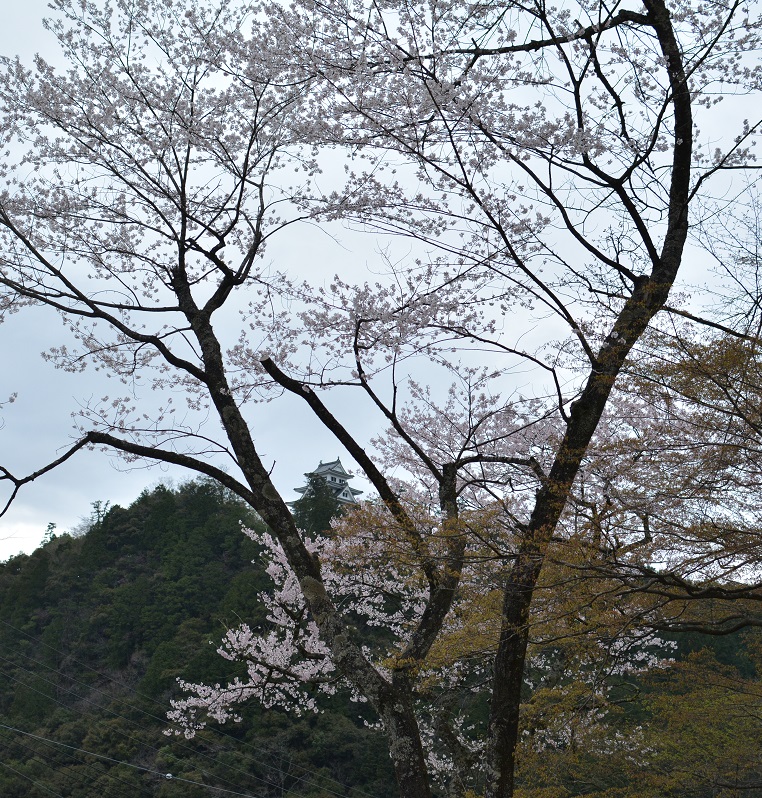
(312, 778)
(36, 783)
(168, 776)
(40, 757)
(141, 728)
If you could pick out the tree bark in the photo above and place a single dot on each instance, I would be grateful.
(648, 297)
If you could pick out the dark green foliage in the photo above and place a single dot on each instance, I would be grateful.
(687, 727)
(730, 649)
(95, 631)
(317, 507)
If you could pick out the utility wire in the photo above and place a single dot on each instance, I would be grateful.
(36, 783)
(200, 754)
(168, 776)
(47, 759)
(313, 781)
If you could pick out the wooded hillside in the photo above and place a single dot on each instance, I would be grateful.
(94, 632)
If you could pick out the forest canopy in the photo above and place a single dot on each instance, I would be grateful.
(96, 630)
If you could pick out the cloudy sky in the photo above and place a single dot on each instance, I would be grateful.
(37, 427)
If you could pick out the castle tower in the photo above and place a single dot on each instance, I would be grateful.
(336, 477)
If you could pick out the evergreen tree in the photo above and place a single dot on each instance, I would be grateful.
(317, 507)
(95, 631)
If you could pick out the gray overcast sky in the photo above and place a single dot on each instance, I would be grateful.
(38, 425)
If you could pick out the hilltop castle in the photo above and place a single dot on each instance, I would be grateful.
(336, 477)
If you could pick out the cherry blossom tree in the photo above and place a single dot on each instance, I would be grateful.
(542, 168)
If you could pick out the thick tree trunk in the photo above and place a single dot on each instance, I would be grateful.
(525, 572)
(648, 296)
(522, 581)
(406, 751)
